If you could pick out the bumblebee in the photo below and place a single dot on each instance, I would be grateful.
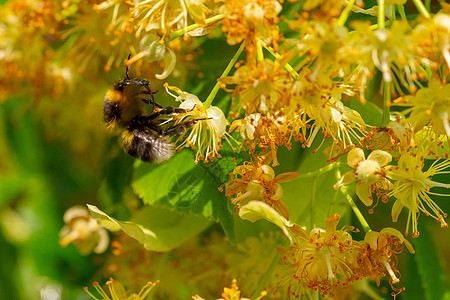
(144, 135)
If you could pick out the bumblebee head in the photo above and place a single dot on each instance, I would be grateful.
(128, 80)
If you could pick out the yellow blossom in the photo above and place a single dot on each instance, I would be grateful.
(318, 106)
(389, 50)
(163, 16)
(83, 231)
(324, 47)
(232, 293)
(370, 173)
(246, 126)
(257, 181)
(396, 136)
(412, 188)
(251, 19)
(265, 131)
(91, 41)
(118, 292)
(263, 87)
(206, 134)
(431, 37)
(321, 260)
(28, 36)
(322, 8)
(377, 254)
(429, 107)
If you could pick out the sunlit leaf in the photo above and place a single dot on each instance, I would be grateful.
(157, 229)
(430, 266)
(257, 210)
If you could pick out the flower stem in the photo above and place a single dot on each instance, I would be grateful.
(381, 14)
(313, 203)
(386, 104)
(322, 170)
(401, 10)
(344, 15)
(288, 67)
(182, 31)
(259, 51)
(216, 87)
(359, 215)
(356, 210)
(266, 278)
(421, 8)
(332, 203)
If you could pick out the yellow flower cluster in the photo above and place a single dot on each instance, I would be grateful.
(328, 259)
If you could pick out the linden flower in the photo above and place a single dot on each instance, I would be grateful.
(30, 62)
(370, 173)
(232, 293)
(165, 15)
(265, 131)
(248, 19)
(432, 36)
(93, 41)
(429, 107)
(206, 134)
(327, 8)
(263, 87)
(390, 51)
(153, 51)
(83, 231)
(322, 110)
(118, 292)
(246, 126)
(412, 188)
(378, 253)
(323, 46)
(258, 182)
(322, 260)
(395, 137)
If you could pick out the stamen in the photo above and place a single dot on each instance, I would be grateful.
(390, 271)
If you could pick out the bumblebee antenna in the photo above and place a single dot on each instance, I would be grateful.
(128, 67)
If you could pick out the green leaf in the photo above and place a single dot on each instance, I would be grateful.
(430, 266)
(156, 228)
(192, 188)
(370, 112)
(311, 197)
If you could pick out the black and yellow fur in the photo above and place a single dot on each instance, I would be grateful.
(145, 135)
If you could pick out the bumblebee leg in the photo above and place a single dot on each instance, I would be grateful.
(180, 128)
(152, 102)
(165, 111)
(148, 91)
(171, 110)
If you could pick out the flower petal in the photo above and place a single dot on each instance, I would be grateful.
(170, 60)
(345, 179)
(285, 177)
(257, 210)
(364, 194)
(381, 157)
(396, 210)
(399, 235)
(354, 157)
(371, 238)
(331, 223)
